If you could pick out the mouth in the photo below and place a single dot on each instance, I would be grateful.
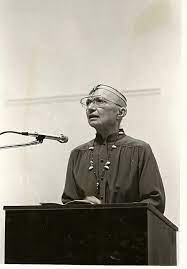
(92, 116)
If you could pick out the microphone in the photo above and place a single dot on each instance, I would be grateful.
(62, 138)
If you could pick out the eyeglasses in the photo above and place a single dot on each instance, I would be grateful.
(98, 101)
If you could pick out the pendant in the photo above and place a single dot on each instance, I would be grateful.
(91, 148)
(106, 167)
(114, 147)
(91, 166)
(98, 188)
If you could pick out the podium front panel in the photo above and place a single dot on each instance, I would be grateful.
(83, 235)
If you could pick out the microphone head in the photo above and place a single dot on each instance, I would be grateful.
(63, 139)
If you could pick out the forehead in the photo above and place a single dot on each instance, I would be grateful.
(108, 95)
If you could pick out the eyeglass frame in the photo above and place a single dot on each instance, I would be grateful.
(93, 102)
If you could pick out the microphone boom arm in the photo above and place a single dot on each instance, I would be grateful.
(36, 142)
(38, 139)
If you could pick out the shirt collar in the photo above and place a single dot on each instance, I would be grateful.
(111, 138)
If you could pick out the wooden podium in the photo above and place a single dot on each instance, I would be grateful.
(111, 234)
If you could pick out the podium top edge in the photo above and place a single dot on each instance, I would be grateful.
(69, 206)
(54, 206)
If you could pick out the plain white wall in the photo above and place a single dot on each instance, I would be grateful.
(51, 49)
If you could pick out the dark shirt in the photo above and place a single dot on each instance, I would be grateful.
(133, 175)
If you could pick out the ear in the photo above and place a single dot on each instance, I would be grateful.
(122, 112)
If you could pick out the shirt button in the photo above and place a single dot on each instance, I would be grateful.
(102, 178)
(102, 160)
(101, 197)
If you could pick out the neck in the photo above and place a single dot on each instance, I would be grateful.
(106, 132)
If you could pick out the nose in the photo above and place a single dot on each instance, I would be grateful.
(91, 107)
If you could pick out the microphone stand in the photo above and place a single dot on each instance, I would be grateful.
(39, 140)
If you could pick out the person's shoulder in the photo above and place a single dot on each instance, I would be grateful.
(84, 146)
(80, 150)
(134, 142)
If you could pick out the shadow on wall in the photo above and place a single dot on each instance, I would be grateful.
(153, 17)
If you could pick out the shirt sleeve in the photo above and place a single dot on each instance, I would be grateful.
(71, 190)
(151, 188)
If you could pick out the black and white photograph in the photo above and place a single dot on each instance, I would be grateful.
(90, 132)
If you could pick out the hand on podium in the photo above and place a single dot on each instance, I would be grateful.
(87, 200)
(92, 200)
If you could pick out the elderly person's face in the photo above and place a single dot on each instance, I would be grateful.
(103, 109)
(105, 116)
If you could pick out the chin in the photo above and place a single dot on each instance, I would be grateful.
(93, 124)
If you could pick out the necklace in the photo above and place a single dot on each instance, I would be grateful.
(106, 166)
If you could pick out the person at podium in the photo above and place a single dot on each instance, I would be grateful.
(113, 167)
